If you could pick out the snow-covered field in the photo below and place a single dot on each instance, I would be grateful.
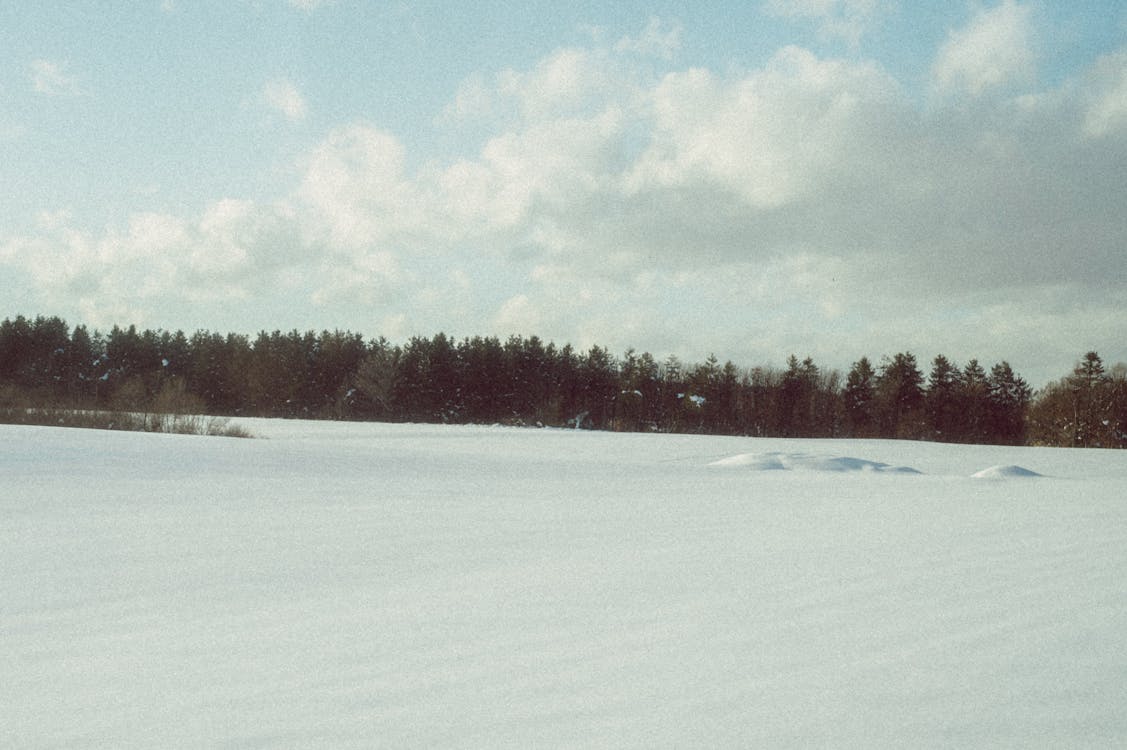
(357, 585)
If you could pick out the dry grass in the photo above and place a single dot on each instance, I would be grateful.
(172, 411)
(180, 424)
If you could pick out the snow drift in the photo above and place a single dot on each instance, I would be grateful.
(1005, 472)
(776, 461)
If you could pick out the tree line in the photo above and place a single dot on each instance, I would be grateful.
(44, 364)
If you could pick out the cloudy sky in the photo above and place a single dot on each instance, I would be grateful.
(832, 178)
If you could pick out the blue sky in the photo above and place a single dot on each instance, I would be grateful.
(833, 178)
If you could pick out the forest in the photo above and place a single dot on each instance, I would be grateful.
(48, 370)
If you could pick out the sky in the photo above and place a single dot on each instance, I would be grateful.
(829, 178)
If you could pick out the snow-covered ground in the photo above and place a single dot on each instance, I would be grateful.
(357, 585)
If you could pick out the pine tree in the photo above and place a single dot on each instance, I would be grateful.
(82, 359)
(859, 399)
(942, 399)
(673, 391)
(900, 397)
(1117, 411)
(798, 413)
(972, 403)
(1089, 385)
(1007, 398)
(374, 379)
(599, 386)
(1086, 408)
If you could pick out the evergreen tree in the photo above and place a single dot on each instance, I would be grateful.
(631, 405)
(528, 373)
(1117, 407)
(83, 356)
(649, 383)
(599, 386)
(725, 397)
(1089, 386)
(374, 379)
(859, 399)
(16, 352)
(175, 354)
(410, 391)
(566, 403)
(759, 403)
(488, 379)
(336, 361)
(1007, 398)
(942, 400)
(444, 378)
(219, 371)
(798, 399)
(1086, 408)
(900, 397)
(703, 387)
(673, 393)
(973, 404)
(33, 355)
(828, 407)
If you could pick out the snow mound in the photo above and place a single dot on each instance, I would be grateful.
(1008, 471)
(808, 462)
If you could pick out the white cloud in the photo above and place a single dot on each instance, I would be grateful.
(565, 82)
(10, 131)
(1107, 112)
(283, 96)
(771, 136)
(473, 100)
(568, 82)
(547, 164)
(655, 40)
(228, 232)
(518, 315)
(51, 220)
(308, 5)
(992, 50)
(233, 250)
(51, 77)
(354, 193)
(836, 19)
